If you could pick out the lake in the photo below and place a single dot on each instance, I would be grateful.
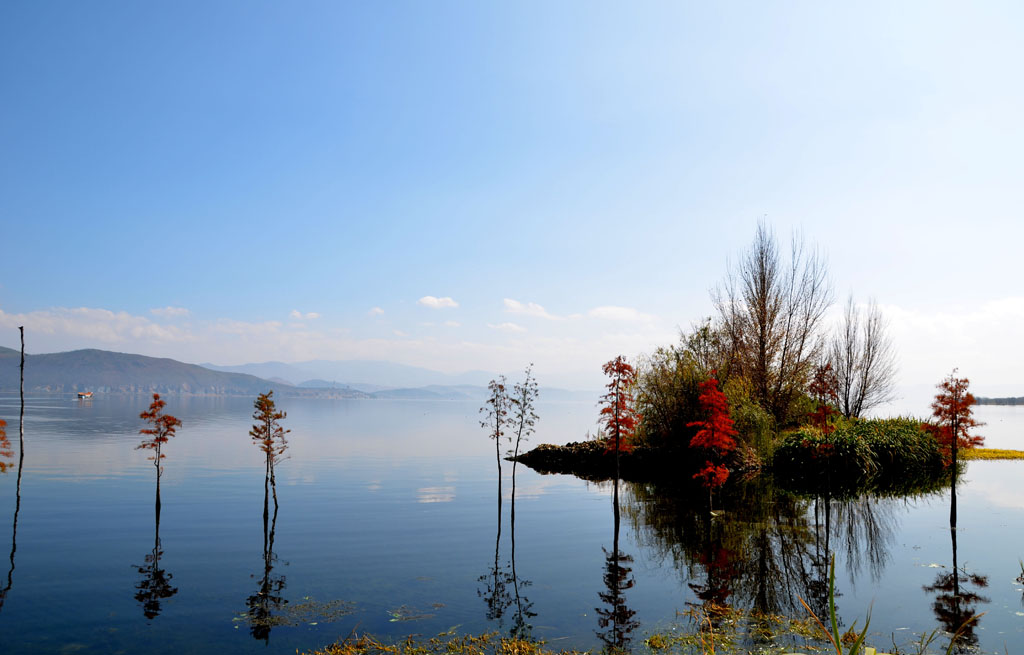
(388, 523)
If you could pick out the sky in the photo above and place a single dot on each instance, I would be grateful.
(477, 186)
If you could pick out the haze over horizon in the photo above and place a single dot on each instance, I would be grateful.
(477, 187)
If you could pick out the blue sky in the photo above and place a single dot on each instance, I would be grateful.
(250, 181)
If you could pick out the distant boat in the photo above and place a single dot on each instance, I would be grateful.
(84, 395)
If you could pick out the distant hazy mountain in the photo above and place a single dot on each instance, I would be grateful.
(478, 394)
(104, 371)
(358, 374)
(1000, 401)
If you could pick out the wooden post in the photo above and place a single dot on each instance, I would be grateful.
(21, 421)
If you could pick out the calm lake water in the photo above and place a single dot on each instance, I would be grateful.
(388, 523)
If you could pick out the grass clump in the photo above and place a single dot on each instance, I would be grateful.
(885, 455)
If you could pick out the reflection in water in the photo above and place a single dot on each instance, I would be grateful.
(957, 595)
(768, 548)
(265, 606)
(17, 488)
(155, 585)
(524, 608)
(495, 583)
(616, 619)
(502, 587)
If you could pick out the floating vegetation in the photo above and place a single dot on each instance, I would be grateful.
(444, 644)
(406, 613)
(305, 612)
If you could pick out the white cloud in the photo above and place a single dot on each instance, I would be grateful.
(981, 340)
(309, 316)
(506, 327)
(436, 303)
(528, 309)
(246, 329)
(452, 324)
(375, 311)
(613, 313)
(169, 312)
(90, 325)
(399, 333)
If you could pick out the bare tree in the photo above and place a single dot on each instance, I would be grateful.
(864, 360)
(770, 315)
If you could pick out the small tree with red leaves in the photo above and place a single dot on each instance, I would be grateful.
(824, 388)
(715, 435)
(268, 434)
(163, 427)
(618, 409)
(952, 411)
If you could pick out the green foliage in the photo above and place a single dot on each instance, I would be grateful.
(753, 423)
(667, 398)
(887, 455)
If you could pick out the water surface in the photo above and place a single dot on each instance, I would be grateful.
(388, 523)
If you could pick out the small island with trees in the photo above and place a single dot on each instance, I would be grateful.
(766, 387)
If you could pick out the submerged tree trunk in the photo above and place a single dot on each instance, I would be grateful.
(266, 492)
(952, 475)
(273, 485)
(156, 460)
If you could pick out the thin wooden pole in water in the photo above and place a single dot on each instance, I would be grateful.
(21, 422)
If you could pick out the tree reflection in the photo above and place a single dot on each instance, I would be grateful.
(265, 606)
(616, 618)
(957, 597)
(501, 587)
(496, 581)
(17, 488)
(769, 548)
(155, 585)
(524, 608)
(17, 498)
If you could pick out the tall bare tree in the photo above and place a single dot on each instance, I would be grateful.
(862, 355)
(770, 315)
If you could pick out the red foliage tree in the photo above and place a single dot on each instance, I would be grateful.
(6, 450)
(824, 388)
(953, 414)
(163, 428)
(618, 411)
(715, 434)
(268, 434)
(952, 411)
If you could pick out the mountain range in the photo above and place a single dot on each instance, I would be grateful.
(112, 372)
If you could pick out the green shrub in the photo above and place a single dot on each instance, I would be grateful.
(884, 455)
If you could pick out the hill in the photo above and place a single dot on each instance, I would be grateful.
(365, 375)
(112, 372)
(1001, 401)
